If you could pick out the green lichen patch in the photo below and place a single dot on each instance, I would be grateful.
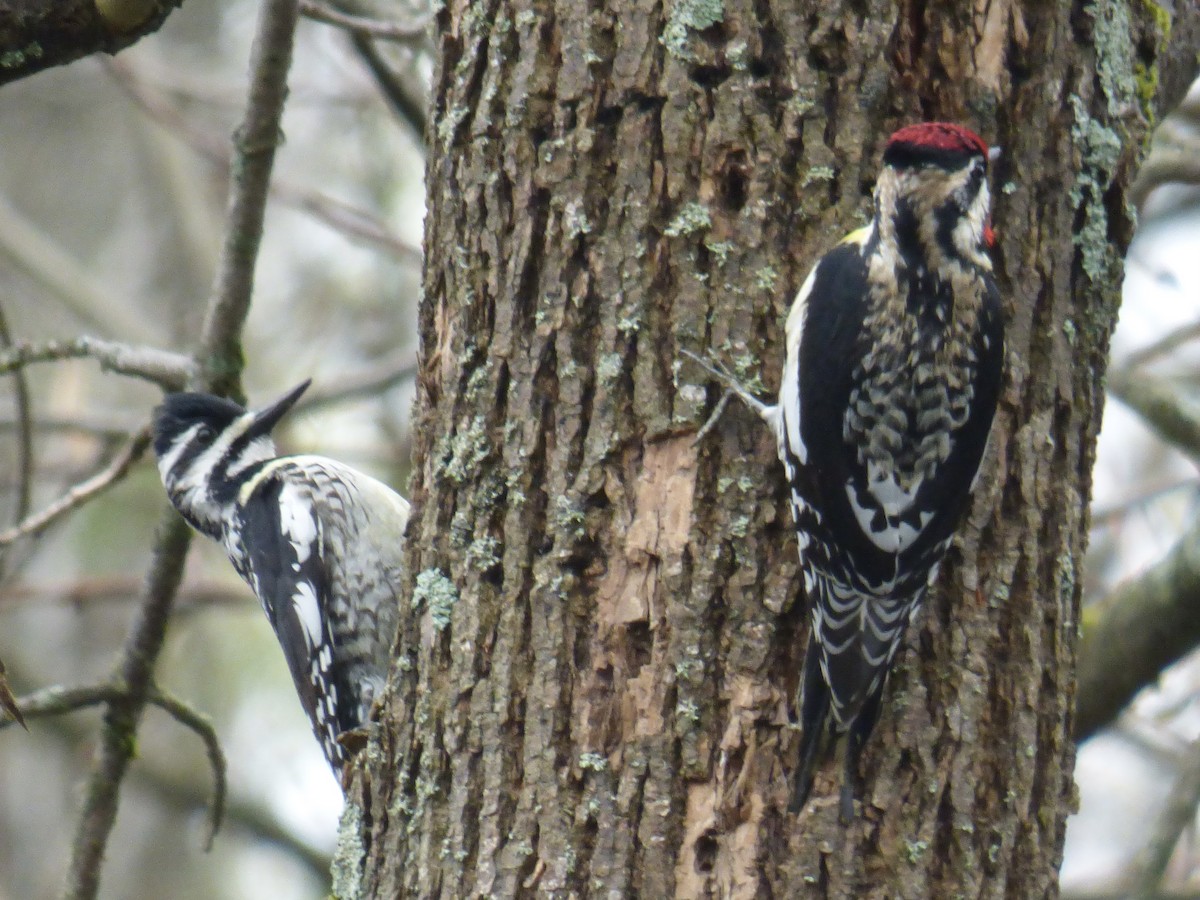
(438, 593)
(686, 16)
(1100, 150)
(350, 855)
(691, 218)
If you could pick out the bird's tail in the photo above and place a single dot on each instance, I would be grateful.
(814, 714)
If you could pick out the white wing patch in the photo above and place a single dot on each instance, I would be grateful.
(308, 611)
(788, 424)
(297, 521)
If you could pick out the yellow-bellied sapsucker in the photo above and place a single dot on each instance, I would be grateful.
(895, 346)
(318, 542)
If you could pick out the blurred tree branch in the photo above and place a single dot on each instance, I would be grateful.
(1160, 406)
(1150, 622)
(82, 492)
(24, 432)
(353, 222)
(57, 701)
(1135, 632)
(411, 32)
(1178, 814)
(186, 794)
(406, 99)
(1174, 155)
(169, 371)
(220, 361)
(123, 589)
(39, 36)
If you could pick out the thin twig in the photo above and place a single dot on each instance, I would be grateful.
(123, 589)
(123, 714)
(1164, 345)
(8, 702)
(184, 792)
(168, 370)
(387, 373)
(203, 728)
(103, 426)
(401, 32)
(1102, 514)
(24, 431)
(82, 492)
(220, 365)
(353, 222)
(57, 701)
(403, 98)
(1160, 407)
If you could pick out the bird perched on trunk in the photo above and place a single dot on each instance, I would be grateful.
(318, 542)
(895, 346)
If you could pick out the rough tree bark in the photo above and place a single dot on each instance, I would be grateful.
(594, 679)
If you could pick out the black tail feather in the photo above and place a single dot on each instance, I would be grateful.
(814, 713)
(856, 737)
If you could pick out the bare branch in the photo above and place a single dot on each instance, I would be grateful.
(337, 214)
(103, 426)
(255, 140)
(220, 365)
(1166, 165)
(82, 492)
(387, 373)
(352, 222)
(1160, 407)
(57, 701)
(186, 794)
(411, 33)
(24, 432)
(1161, 347)
(406, 100)
(122, 714)
(8, 702)
(122, 589)
(1135, 632)
(168, 370)
(200, 724)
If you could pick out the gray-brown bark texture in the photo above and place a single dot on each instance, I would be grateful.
(594, 680)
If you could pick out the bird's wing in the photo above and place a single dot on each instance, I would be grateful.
(284, 540)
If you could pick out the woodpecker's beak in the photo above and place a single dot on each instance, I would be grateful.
(994, 153)
(267, 418)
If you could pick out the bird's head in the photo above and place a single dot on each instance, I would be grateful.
(935, 178)
(204, 443)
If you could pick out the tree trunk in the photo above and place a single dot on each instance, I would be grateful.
(596, 675)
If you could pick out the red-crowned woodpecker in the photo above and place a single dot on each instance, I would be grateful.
(895, 345)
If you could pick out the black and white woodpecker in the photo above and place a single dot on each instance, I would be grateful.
(895, 346)
(317, 541)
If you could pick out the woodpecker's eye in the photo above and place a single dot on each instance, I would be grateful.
(205, 435)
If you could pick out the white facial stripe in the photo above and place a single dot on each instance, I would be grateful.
(168, 462)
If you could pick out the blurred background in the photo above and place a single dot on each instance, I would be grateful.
(112, 194)
(113, 187)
